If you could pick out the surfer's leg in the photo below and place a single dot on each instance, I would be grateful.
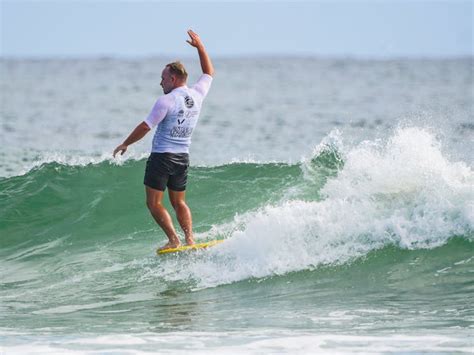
(183, 213)
(162, 217)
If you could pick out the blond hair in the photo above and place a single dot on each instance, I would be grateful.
(177, 69)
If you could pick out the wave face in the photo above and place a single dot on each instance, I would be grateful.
(395, 214)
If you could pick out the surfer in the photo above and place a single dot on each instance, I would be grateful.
(176, 114)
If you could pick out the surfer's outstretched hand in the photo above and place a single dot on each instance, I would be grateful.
(195, 40)
(122, 148)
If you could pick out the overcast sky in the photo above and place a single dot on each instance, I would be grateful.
(372, 28)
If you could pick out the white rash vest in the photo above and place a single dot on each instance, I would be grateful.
(176, 115)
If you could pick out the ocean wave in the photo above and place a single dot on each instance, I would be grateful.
(334, 207)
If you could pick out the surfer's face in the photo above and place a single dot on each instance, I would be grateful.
(167, 80)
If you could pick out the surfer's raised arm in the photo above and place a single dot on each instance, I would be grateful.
(206, 64)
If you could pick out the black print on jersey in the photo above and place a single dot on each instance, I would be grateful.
(181, 122)
(180, 113)
(181, 132)
(189, 114)
(188, 101)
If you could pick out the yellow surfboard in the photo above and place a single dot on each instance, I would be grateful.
(189, 247)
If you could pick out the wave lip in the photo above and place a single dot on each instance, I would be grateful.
(68, 159)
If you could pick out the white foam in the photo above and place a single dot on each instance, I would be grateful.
(71, 159)
(401, 192)
(235, 342)
(19, 168)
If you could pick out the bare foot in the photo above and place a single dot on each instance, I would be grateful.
(170, 245)
(190, 241)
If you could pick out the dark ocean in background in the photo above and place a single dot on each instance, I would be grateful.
(343, 188)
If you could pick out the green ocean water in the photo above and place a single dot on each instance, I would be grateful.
(343, 189)
(314, 251)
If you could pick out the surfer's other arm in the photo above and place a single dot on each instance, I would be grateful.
(206, 64)
(137, 134)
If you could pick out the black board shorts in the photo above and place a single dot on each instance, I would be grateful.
(167, 170)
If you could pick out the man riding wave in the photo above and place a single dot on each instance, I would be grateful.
(175, 114)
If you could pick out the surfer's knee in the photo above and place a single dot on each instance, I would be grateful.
(153, 205)
(178, 204)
